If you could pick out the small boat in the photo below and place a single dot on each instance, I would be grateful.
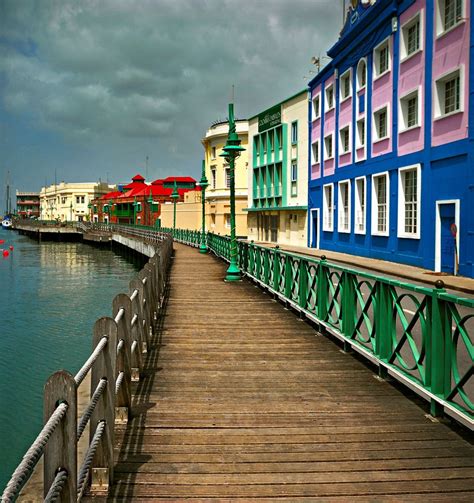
(7, 223)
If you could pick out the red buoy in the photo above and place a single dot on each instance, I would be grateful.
(2, 241)
(6, 253)
(11, 247)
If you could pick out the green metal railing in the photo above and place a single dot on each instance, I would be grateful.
(422, 336)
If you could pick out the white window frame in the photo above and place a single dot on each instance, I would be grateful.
(329, 227)
(340, 207)
(346, 75)
(403, 110)
(342, 151)
(419, 16)
(401, 233)
(326, 89)
(374, 219)
(376, 52)
(439, 13)
(294, 132)
(357, 207)
(315, 146)
(358, 74)
(375, 131)
(358, 137)
(438, 92)
(227, 177)
(294, 162)
(316, 110)
(213, 153)
(326, 156)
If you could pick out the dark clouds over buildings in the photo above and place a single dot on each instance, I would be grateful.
(89, 88)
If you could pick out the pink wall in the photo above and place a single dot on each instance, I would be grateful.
(382, 89)
(345, 118)
(329, 127)
(450, 52)
(316, 135)
(411, 77)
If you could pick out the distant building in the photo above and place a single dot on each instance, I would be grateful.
(278, 174)
(392, 151)
(139, 203)
(70, 201)
(218, 176)
(28, 204)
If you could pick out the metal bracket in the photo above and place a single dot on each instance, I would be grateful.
(100, 480)
(121, 415)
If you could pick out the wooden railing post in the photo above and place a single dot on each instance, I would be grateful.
(146, 301)
(61, 449)
(123, 398)
(104, 368)
(138, 332)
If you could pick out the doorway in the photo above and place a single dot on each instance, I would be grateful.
(314, 222)
(447, 245)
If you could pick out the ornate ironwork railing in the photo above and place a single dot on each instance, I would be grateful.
(422, 336)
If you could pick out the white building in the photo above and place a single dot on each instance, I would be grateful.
(69, 201)
(278, 173)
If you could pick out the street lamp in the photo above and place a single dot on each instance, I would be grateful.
(174, 196)
(70, 211)
(231, 151)
(203, 184)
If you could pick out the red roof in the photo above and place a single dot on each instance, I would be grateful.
(138, 178)
(111, 195)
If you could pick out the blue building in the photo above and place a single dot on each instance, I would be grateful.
(391, 172)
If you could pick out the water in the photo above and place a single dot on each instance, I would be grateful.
(50, 296)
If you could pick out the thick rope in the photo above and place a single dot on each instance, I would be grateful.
(134, 294)
(56, 487)
(134, 346)
(79, 377)
(90, 408)
(86, 465)
(119, 315)
(134, 320)
(25, 468)
(118, 382)
(120, 346)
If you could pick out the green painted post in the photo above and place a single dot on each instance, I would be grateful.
(276, 268)
(322, 289)
(288, 277)
(252, 258)
(383, 325)
(303, 283)
(349, 301)
(438, 364)
(174, 197)
(230, 152)
(266, 266)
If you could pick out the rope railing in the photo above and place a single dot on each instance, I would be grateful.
(117, 357)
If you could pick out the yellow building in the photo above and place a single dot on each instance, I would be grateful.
(217, 174)
(69, 201)
(188, 212)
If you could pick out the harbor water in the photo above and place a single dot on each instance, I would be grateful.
(51, 293)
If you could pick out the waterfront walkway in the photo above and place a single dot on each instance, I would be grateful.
(243, 401)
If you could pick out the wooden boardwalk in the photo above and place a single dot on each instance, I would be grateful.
(244, 402)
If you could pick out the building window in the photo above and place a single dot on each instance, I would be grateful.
(345, 85)
(380, 204)
(360, 205)
(328, 207)
(409, 111)
(411, 37)
(227, 178)
(344, 140)
(315, 152)
(294, 171)
(80, 199)
(317, 107)
(360, 133)
(257, 145)
(278, 132)
(382, 59)
(63, 200)
(449, 94)
(213, 177)
(449, 14)
(344, 207)
(270, 140)
(213, 152)
(227, 220)
(294, 133)
(361, 74)
(409, 192)
(330, 97)
(381, 124)
(328, 147)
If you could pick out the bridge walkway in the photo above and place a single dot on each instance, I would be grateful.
(242, 401)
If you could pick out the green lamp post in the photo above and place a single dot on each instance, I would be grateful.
(174, 196)
(232, 150)
(203, 184)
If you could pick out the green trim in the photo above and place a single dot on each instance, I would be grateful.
(278, 208)
(280, 103)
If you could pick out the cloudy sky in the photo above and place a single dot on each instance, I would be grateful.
(89, 88)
